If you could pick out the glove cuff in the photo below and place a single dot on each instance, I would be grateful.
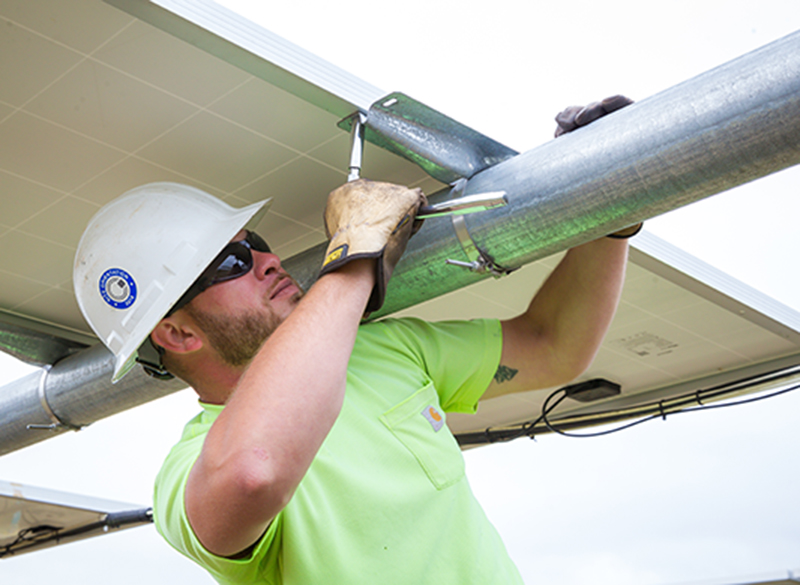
(627, 232)
(338, 257)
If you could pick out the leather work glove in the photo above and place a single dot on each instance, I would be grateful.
(369, 219)
(575, 117)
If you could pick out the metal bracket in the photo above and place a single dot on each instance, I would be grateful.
(444, 148)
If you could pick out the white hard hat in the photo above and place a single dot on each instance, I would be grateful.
(142, 251)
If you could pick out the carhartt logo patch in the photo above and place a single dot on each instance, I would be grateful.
(433, 416)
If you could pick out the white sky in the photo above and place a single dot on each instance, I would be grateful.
(705, 497)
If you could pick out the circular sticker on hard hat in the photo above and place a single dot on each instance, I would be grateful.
(117, 288)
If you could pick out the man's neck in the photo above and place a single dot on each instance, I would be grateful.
(216, 384)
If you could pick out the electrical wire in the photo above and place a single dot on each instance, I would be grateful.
(27, 536)
(527, 429)
(662, 415)
(666, 407)
(29, 539)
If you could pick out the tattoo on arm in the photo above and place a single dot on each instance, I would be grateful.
(504, 374)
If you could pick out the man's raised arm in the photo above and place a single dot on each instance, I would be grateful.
(262, 444)
(556, 338)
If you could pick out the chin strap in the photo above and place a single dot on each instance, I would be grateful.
(149, 356)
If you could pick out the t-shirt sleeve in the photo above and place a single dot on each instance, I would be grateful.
(461, 357)
(172, 523)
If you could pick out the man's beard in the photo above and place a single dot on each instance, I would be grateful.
(236, 338)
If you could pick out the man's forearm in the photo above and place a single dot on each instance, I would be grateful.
(577, 303)
(263, 442)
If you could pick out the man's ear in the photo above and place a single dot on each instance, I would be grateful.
(176, 336)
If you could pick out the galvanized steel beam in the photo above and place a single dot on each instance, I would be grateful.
(728, 126)
(72, 394)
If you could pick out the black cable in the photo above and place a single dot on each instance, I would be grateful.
(599, 433)
(526, 429)
(662, 414)
(738, 402)
(30, 538)
(676, 405)
(547, 410)
(30, 535)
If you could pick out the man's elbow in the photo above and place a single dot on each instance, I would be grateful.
(243, 490)
(230, 506)
(569, 366)
(261, 485)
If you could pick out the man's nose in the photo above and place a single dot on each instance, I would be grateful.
(265, 262)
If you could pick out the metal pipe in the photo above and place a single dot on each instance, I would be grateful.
(723, 128)
(74, 393)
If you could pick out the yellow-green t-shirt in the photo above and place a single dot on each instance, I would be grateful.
(386, 499)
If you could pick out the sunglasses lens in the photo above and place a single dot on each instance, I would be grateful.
(256, 242)
(236, 261)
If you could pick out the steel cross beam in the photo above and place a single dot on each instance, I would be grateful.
(733, 124)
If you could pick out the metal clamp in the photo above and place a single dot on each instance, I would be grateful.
(57, 422)
(480, 261)
(457, 205)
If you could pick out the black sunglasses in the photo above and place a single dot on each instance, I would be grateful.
(235, 260)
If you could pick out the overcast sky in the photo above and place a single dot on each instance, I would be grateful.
(701, 498)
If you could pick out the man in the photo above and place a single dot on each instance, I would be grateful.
(321, 454)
